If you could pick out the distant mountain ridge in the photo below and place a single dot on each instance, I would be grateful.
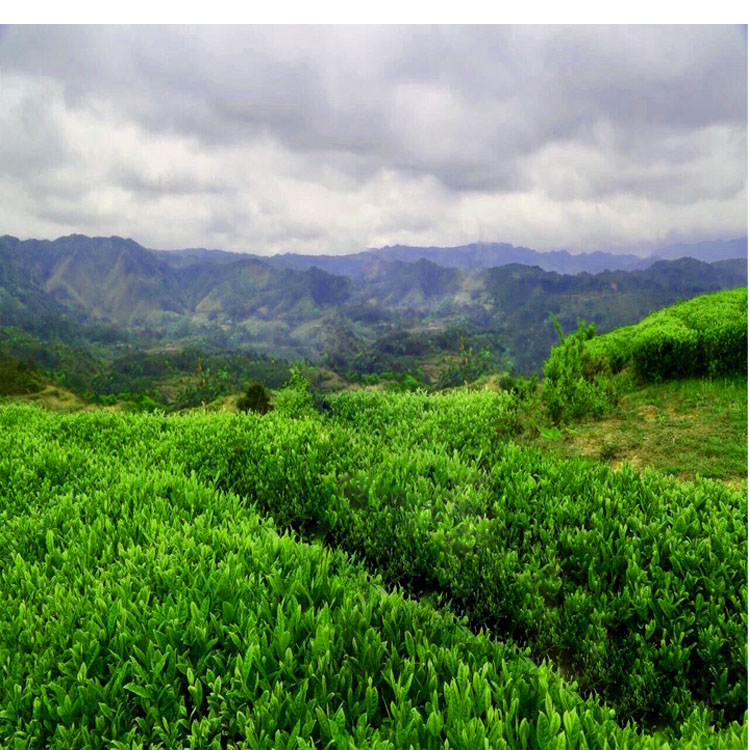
(467, 257)
(481, 255)
(291, 305)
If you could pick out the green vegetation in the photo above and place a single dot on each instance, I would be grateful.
(150, 602)
(145, 380)
(17, 378)
(255, 399)
(574, 385)
(703, 336)
(109, 296)
(147, 606)
(687, 428)
(631, 395)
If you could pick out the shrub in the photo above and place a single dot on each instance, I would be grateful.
(295, 399)
(256, 399)
(706, 335)
(667, 348)
(518, 385)
(576, 384)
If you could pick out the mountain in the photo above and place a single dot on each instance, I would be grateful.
(526, 296)
(709, 252)
(108, 278)
(464, 257)
(476, 255)
(289, 306)
(492, 254)
(21, 294)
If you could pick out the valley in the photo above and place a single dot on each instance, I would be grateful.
(110, 298)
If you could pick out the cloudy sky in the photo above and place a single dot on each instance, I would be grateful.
(333, 139)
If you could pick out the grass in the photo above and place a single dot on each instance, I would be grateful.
(56, 398)
(686, 428)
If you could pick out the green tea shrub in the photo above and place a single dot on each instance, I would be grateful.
(575, 383)
(295, 399)
(142, 608)
(666, 347)
(520, 386)
(706, 335)
(425, 491)
(147, 601)
(612, 350)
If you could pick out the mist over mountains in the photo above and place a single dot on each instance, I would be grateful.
(343, 307)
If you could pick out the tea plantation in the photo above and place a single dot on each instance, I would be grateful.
(706, 335)
(392, 573)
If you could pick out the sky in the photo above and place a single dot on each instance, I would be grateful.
(332, 139)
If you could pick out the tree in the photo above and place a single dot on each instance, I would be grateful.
(256, 399)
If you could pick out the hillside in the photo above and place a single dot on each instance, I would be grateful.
(685, 428)
(491, 254)
(16, 378)
(596, 600)
(609, 300)
(225, 301)
(706, 335)
(380, 569)
(668, 393)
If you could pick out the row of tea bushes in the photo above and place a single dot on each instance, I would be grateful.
(635, 583)
(145, 608)
(706, 335)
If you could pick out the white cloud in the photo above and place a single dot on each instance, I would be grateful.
(337, 138)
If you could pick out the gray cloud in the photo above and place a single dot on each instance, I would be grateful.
(337, 138)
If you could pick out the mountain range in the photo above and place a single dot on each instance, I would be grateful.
(478, 255)
(340, 307)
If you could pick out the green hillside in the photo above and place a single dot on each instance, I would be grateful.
(378, 569)
(687, 428)
(148, 602)
(219, 301)
(669, 392)
(16, 378)
(706, 335)
(527, 296)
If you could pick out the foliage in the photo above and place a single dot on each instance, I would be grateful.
(295, 399)
(68, 364)
(706, 335)
(168, 377)
(384, 319)
(524, 297)
(17, 378)
(472, 365)
(459, 357)
(144, 605)
(576, 562)
(255, 399)
(523, 388)
(402, 381)
(575, 384)
(687, 428)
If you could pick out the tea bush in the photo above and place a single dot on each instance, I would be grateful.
(147, 603)
(575, 383)
(706, 335)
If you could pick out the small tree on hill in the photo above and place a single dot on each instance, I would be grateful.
(256, 399)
